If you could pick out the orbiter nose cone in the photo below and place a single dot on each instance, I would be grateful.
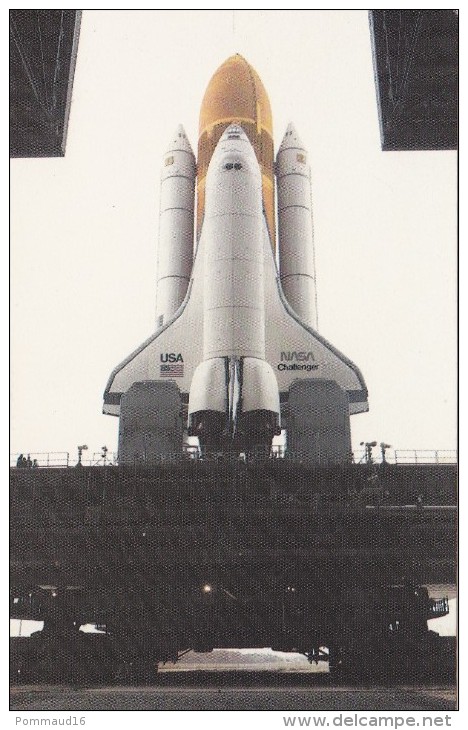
(180, 142)
(234, 131)
(291, 139)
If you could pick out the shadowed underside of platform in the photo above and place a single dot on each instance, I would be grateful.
(180, 526)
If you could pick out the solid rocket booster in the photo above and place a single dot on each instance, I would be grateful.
(233, 370)
(176, 213)
(295, 227)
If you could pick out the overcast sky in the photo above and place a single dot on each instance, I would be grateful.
(84, 228)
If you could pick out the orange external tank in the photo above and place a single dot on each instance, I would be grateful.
(236, 94)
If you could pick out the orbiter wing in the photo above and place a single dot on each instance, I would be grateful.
(296, 351)
(171, 353)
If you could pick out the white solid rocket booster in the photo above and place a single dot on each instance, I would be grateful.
(295, 229)
(176, 222)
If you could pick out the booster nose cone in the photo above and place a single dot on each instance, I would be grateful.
(180, 142)
(235, 96)
(291, 139)
(179, 158)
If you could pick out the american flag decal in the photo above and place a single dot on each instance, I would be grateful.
(172, 370)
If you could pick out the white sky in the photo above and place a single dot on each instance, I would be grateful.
(84, 228)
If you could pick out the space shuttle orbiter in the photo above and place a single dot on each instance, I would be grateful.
(236, 333)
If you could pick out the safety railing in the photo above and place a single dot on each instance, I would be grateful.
(63, 459)
(59, 459)
(407, 456)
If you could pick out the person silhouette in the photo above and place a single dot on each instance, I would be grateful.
(19, 461)
(28, 462)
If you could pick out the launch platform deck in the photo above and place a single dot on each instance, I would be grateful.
(104, 526)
